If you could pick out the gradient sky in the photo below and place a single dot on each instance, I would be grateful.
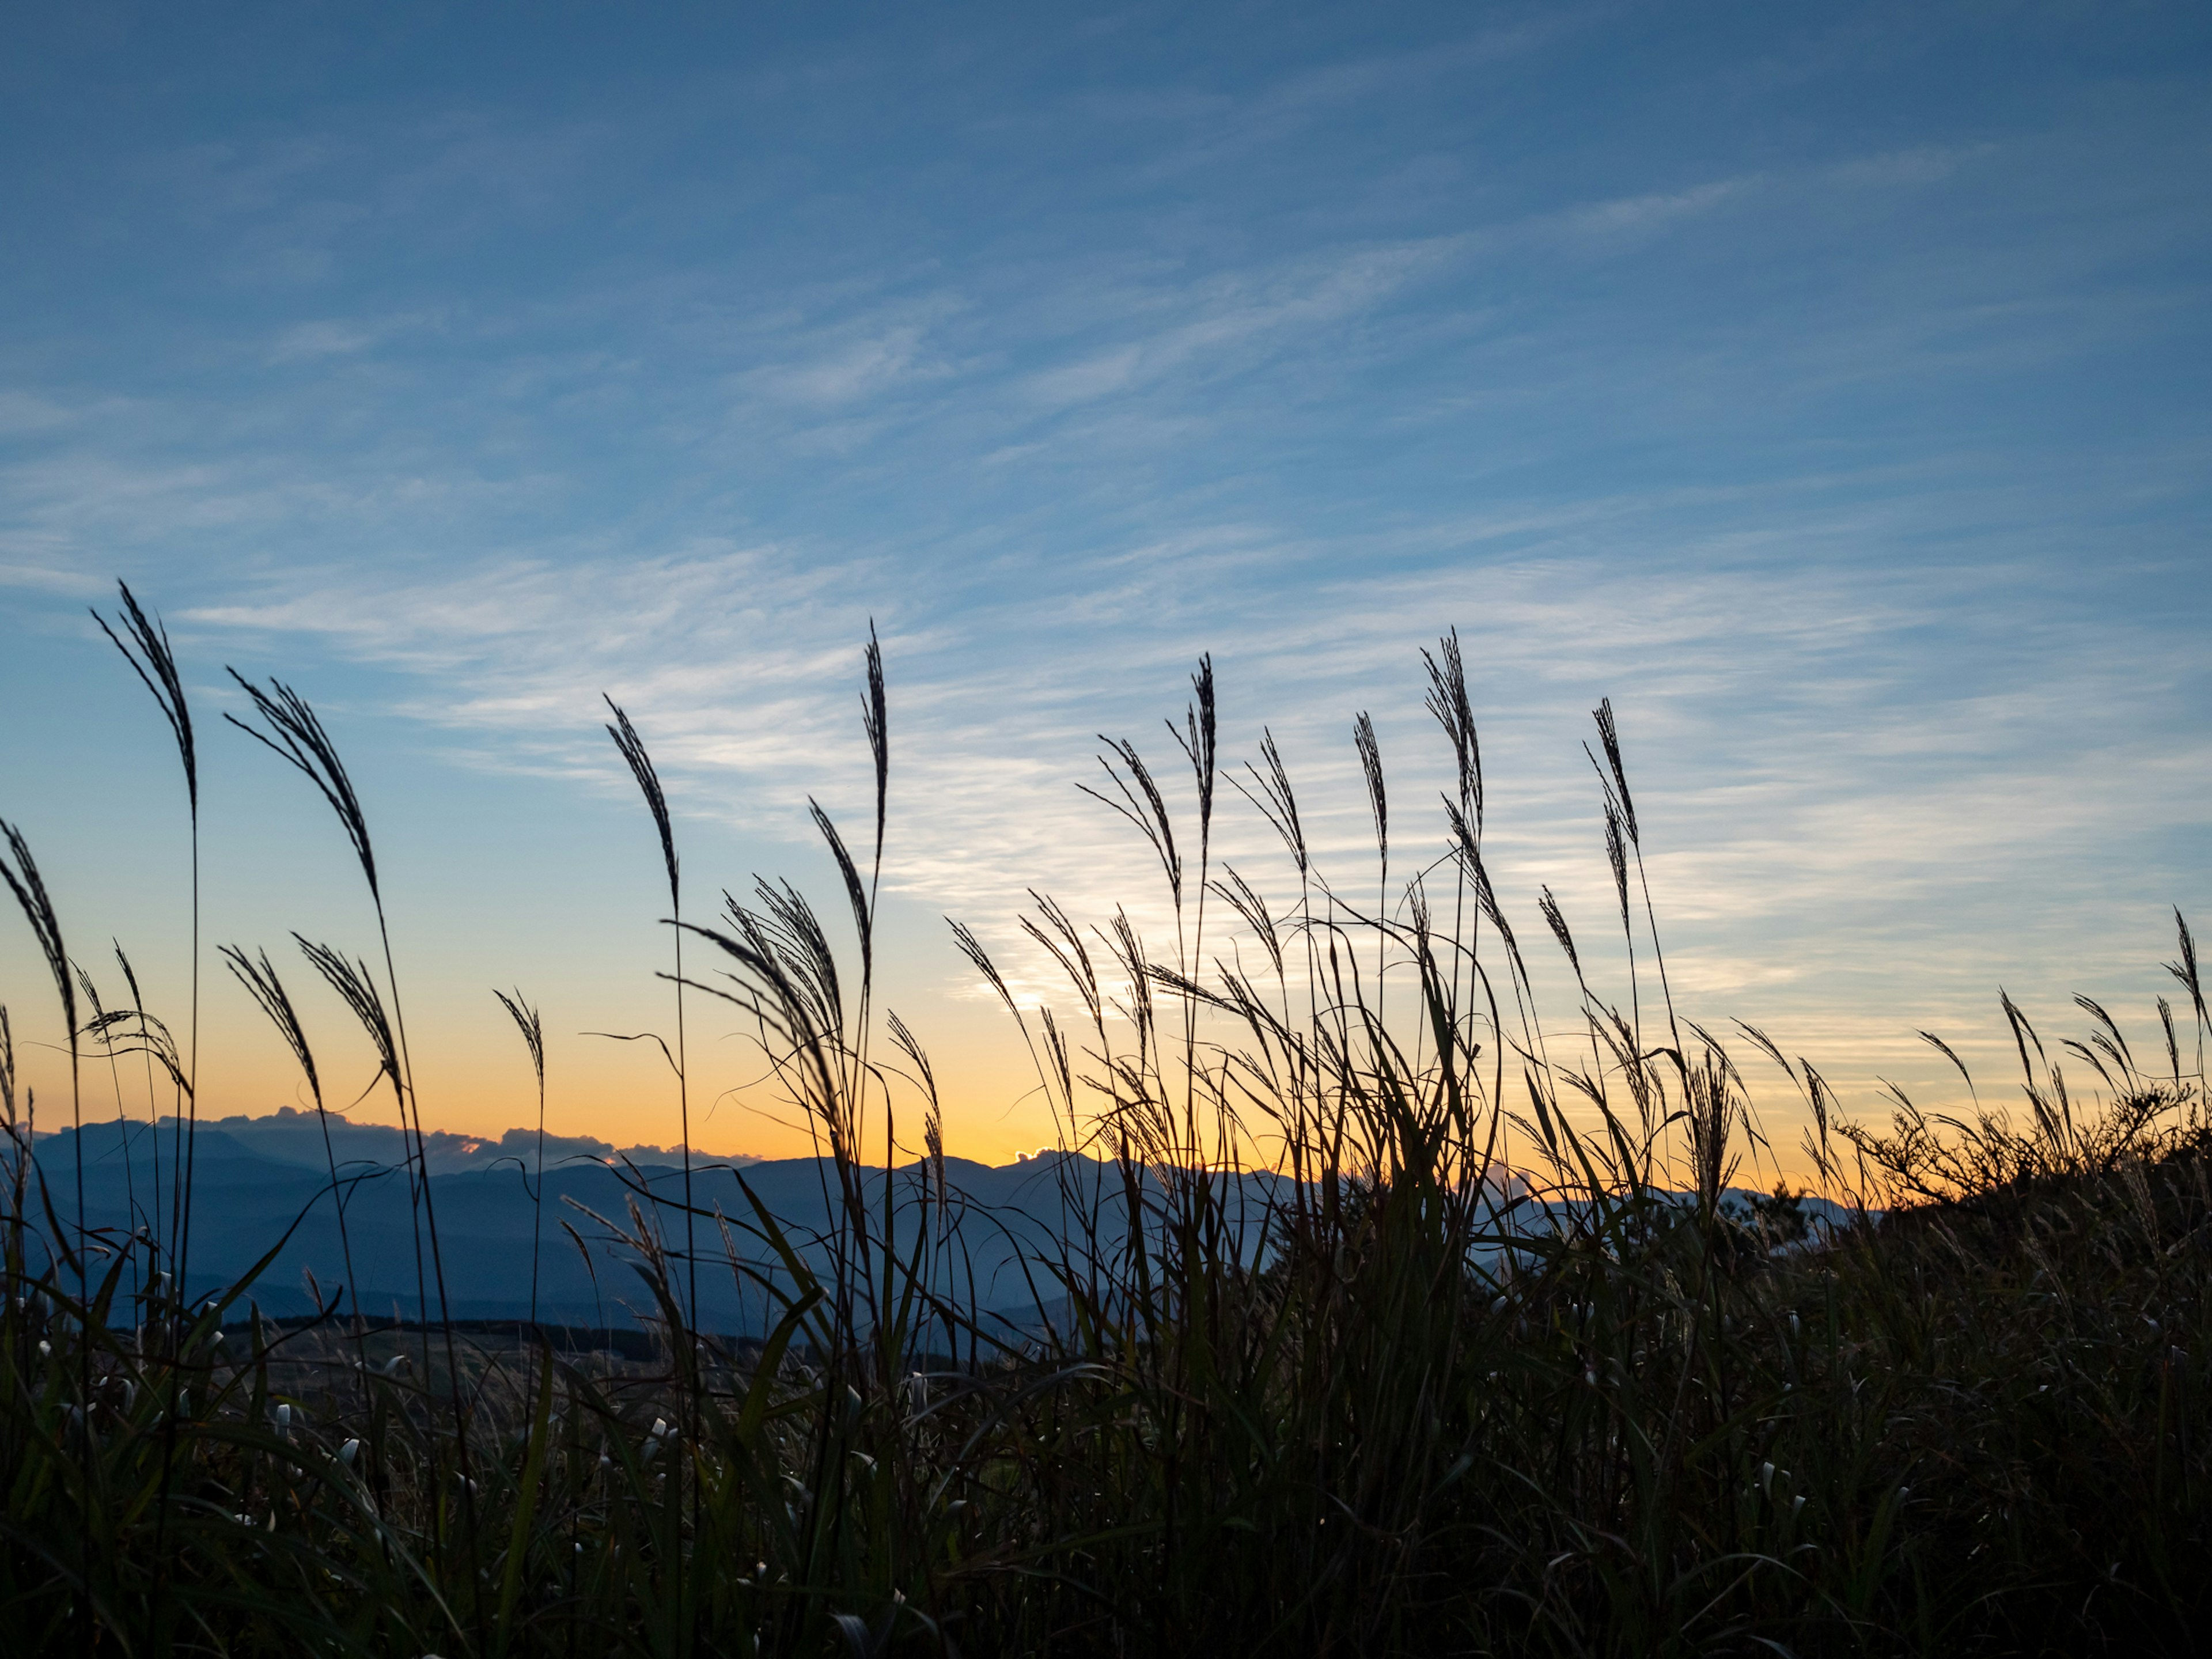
(1828, 385)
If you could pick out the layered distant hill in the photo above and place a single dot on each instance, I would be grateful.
(291, 1136)
(260, 1183)
(254, 1179)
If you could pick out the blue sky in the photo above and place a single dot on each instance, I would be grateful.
(1826, 385)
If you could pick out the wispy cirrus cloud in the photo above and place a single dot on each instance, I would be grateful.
(1229, 322)
(319, 338)
(1628, 215)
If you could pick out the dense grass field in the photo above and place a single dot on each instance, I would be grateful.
(1602, 1405)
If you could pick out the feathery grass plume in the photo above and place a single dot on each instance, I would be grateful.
(356, 989)
(2046, 1097)
(787, 931)
(2105, 1044)
(786, 978)
(932, 1122)
(1609, 732)
(1823, 1103)
(262, 984)
(1547, 906)
(1474, 874)
(2185, 974)
(1614, 778)
(2184, 971)
(904, 1040)
(21, 872)
(875, 717)
(1616, 856)
(1370, 768)
(1198, 739)
(129, 1031)
(1140, 802)
(533, 1039)
(144, 643)
(1271, 795)
(294, 735)
(152, 1104)
(856, 891)
(133, 1032)
(297, 736)
(1711, 1109)
(1243, 898)
(130, 975)
(1448, 703)
(526, 1021)
(1556, 920)
(972, 948)
(1275, 800)
(1378, 811)
(1952, 1054)
(101, 1026)
(875, 720)
(1064, 942)
(19, 1160)
(634, 752)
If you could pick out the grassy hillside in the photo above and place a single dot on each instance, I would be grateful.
(1599, 1406)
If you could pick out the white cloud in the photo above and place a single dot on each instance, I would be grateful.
(23, 413)
(46, 579)
(1225, 323)
(305, 341)
(858, 370)
(1923, 164)
(1631, 214)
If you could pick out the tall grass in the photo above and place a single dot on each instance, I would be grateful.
(532, 1027)
(1499, 1360)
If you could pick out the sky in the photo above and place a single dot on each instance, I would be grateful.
(1826, 386)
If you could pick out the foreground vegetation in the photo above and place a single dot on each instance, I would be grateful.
(1599, 1406)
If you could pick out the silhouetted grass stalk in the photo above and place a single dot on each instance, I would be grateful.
(296, 734)
(533, 1039)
